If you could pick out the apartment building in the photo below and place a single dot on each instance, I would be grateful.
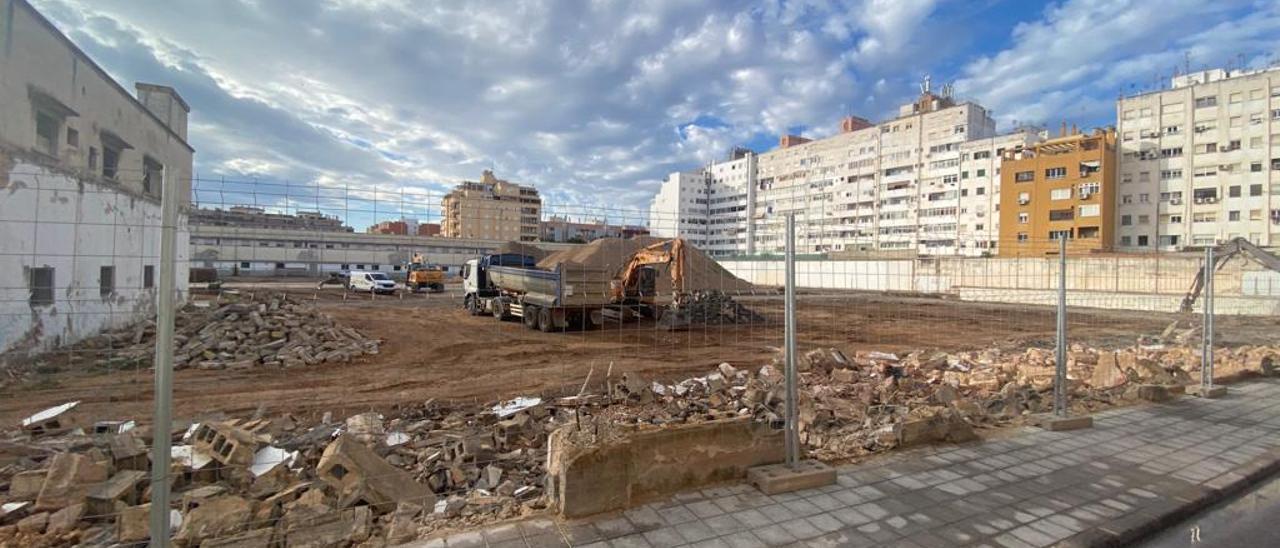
(492, 209)
(83, 164)
(926, 181)
(562, 229)
(1062, 188)
(257, 217)
(1200, 162)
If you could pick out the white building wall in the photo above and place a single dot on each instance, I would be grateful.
(1198, 163)
(58, 208)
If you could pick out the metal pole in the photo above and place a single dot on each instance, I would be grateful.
(162, 426)
(1206, 351)
(792, 433)
(1060, 373)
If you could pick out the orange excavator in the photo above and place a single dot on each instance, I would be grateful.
(638, 278)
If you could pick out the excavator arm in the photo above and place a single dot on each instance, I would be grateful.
(668, 252)
(1224, 253)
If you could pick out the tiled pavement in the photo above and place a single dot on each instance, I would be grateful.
(1138, 470)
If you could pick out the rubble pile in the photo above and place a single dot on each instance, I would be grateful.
(275, 482)
(240, 332)
(707, 308)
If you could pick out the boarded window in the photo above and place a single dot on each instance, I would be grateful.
(106, 281)
(148, 276)
(41, 285)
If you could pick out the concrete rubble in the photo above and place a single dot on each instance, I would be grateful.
(372, 479)
(239, 332)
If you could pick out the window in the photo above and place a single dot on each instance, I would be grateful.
(1024, 176)
(1166, 174)
(46, 133)
(1233, 215)
(148, 276)
(1089, 189)
(1090, 210)
(110, 162)
(1255, 190)
(1236, 97)
(1126, 240)
(1144, 198)
(1126, 220)
(1233, 191)
(981, 190)
(1173, 152)
(1175, 219)
(1172, 130)
(1126, 199)
(373, 267)
(1055, 173)
(982, 173)
(1024, 217)
(1062, 214)
(1060, 194)
(279, 265)
(1022, 236)
(1089, 232)
(1060, 234)
(1144, 219)
(93, 158)
(40, 282)
(1143, 241)
(73, 138)
(152, 175)
(1210, 101)
(1024, 198)
(244, 265)
(106, 281)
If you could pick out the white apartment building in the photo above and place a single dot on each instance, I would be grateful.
(924, 182)
(680, 207)
(1200, 162)
(83, 165)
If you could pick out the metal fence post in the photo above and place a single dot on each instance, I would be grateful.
(1206, 350)
(162, 425)
(1060, 354)
(792, 432)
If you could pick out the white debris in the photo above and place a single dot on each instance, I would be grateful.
(511, 407)
(268, 458)
(397, 438)
(49, 413)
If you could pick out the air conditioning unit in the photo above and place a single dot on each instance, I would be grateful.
(1176, 201)
(1210, 200)
(1199, 200)
(1023, 201)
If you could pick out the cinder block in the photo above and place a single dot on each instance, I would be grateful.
(781, 478)
(1216, 391)
(1055, 423)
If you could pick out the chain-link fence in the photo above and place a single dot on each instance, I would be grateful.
(355, 364)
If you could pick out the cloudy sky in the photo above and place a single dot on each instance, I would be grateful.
(595, 101)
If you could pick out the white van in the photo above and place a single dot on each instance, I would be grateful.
(373, 282)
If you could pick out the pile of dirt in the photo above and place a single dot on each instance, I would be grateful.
(520, 248)
(702, 273)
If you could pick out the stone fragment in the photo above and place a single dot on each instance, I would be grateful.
(132, 523)
(66, 519)
(70, 478)
(217, 517)
(340, 528)
(403, 527)
(34, 524)
(355, 470)
(26, 485)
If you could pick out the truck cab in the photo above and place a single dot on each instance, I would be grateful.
(477, 289)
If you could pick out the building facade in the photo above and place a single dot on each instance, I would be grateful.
(925, 182)
(246, 216)
(1200, 162)
(492, 209)
(1062, 188)
(257, 251)
(562, 229)
(83, 166)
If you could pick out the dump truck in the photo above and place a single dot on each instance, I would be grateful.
(423, 276)
(578, 296)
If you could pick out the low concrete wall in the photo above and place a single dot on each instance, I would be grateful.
(1228, 305)
(653, 463)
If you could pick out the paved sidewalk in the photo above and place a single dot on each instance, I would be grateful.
(1138, 470)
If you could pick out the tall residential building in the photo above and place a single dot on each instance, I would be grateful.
(1200, 161)
(492, 209)
(1060, 188)
(84, 164)
(926, 182)
(256, 217)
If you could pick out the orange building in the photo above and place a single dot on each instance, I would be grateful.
(1059, 188)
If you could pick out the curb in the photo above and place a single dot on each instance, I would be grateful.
(1143, 523)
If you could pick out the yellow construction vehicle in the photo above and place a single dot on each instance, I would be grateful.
(423, 276)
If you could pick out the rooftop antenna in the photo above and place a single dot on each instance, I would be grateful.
(1186, 62)
(924, 84)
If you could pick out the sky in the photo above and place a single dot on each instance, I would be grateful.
(594, 102)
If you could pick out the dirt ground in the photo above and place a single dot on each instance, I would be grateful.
(433, 349)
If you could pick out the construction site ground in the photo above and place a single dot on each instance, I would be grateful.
(433, 349)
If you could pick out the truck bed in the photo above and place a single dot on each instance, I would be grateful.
(569, 285)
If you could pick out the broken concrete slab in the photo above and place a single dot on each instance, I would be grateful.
(124, 488)
(70, 478)
(54, 420)
(216, 517)
(132, 524)
(26, 485)
(66, 519)
(341, 528)
(354, 469)
(1054, 423)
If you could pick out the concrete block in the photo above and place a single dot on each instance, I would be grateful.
(226, 443)
(216, 517)
(1216, 391)
(348, 527)
(132, 524)
(773, 479)
(26, 485)
(1153, 392)
(71, 476)
(1054, 423)
(359, 473)
(124, 487)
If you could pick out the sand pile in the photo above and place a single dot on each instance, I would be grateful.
(523, 249)
(702, 273)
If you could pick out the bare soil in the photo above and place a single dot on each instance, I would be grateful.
(434, 349)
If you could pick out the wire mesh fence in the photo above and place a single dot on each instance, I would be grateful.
(391, 385)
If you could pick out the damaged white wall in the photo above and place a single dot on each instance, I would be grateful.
(76, 227)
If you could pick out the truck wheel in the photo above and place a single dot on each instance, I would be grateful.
(545, 322)
(469, 302)
(499, 309)
(531, 316)
(438, 288)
